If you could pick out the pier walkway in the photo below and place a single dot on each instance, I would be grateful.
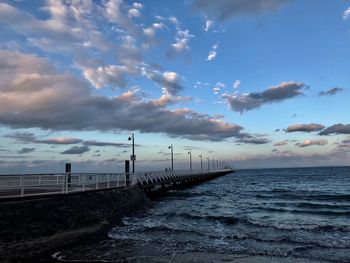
(38, 185)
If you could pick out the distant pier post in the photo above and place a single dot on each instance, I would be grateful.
(127, 172)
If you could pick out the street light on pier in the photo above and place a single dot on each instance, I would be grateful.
(172, 156)
(190, 153)
(133, 156)
(208, 164)
(200, 156)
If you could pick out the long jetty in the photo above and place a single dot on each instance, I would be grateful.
(28, 186)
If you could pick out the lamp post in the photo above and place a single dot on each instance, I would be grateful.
(213, 164)
(208, 164)
(217, 164)
(133, 156)
(172, 157)
(200, 156)
(190, 153)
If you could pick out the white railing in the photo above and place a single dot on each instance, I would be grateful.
(63, 183)
(41, 184)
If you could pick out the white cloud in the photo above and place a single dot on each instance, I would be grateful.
(182, 38)
(208, 24)
(137, 5)
(216, 90)
(346, 13)
(133, 12)
(211, 55)
(236, 84)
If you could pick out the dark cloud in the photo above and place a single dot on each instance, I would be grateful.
(305, 127)
(225, 9)
(77, 150)
(27, 137)
(336, 129)
(248, 138)
(307, 143)
(42, 98)
(330, 92)
(103, 144)
(253, 140)
(26, 150)
(250, 101)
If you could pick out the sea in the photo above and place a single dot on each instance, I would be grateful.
(285, 215)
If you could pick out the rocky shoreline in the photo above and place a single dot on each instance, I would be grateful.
(35, 229)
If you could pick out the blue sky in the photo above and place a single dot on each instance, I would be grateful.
(252, 83)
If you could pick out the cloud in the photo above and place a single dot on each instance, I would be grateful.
(208, 24)
(26, 150)
(336, 129)
(26, 137)
(182, 39)
(281, 143)
(225, 9)
(168, 80)
(307, 143)
(346, 13)
(250, 101)
(133, 12)
(35, 95)
(330, 92)
(212, 53)
(236, 84)
(77, 150)
(305, 127)
(103, 144)
(253, 140)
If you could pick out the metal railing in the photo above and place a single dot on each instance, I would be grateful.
(61, 183)
(20, 185)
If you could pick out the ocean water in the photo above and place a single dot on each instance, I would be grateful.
(300, 213)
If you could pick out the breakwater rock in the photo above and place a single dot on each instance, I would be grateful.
(31, 227)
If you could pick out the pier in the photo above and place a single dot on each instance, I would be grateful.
(29, 186)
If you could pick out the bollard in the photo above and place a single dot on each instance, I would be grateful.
(68, 175)
(127, 172)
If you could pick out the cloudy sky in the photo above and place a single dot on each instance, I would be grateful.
(259, 83)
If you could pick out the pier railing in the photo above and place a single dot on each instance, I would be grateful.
(21, 185)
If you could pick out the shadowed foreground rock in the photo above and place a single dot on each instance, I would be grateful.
(30, 228)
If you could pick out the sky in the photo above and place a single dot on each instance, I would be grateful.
(254, 84)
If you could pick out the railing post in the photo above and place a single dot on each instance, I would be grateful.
(66, 183)
(39, 179)
(63, 184)
(96, 181)
(127, 171)
(108, 180)
(22, 184)
(83, 183)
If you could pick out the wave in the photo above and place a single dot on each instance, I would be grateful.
(293, 227)
(300, 211)
(228, 220)
(303, 196)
